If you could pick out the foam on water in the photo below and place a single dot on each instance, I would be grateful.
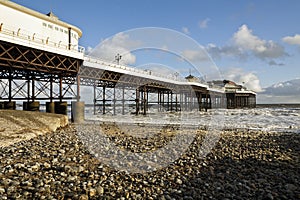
(266, 119)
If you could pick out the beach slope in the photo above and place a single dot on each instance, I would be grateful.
(16, 125)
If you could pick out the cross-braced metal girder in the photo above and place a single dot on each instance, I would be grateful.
(31, 74)
(26, 58)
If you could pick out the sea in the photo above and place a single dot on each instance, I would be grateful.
(265, 117)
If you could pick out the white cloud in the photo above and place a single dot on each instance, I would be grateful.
(248, 79)
(204, 23)
(294, 40)
(244, 39)
(247, 41)
(118, 44)
(185, 30)
(244, 44)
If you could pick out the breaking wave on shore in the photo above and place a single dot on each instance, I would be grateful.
(277, 119)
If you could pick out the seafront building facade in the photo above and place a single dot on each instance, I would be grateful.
(38, 28)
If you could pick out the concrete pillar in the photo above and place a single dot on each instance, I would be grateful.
(61, 107)
(77, 115)
(1, 105)
(50, 108)
(31, 106)
(10, 105)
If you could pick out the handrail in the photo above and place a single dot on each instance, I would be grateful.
(38, 39)
(131, 68)
(147, 72)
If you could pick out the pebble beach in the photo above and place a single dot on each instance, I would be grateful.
(243, 164)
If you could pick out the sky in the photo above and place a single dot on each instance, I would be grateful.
(255, 43)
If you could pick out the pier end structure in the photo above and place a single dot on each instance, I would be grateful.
(237, 96)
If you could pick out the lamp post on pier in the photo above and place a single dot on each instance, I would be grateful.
(118, 58)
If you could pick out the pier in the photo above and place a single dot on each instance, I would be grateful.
(52, 67)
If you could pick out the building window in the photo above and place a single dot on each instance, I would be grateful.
(61, 30)
(56, 28)
(66, 32)
(50, 26)
(44, 24)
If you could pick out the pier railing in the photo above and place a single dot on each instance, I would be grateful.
(133, 69)
(37, 39)
(149, 73)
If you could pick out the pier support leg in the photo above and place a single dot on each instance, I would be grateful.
(10, 86)
(78, 88)
(61, 107)
(60, 89)
(191, 101)
(200, 102)
(77, 112)
(185, 102)
(158, 101)
(31, 106)
(137, 100)
(103, 101)
(147, 103)
(114, 101)
(95, 101)
(51, 90)
(50, 108)
(176, 108)
(77, 108)
(28, 88)
(32, 90)
(206, 102)
(123, 101)
(163, 100)
(171, 101)
(181, 101)
(10, 105)
(145, 100)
